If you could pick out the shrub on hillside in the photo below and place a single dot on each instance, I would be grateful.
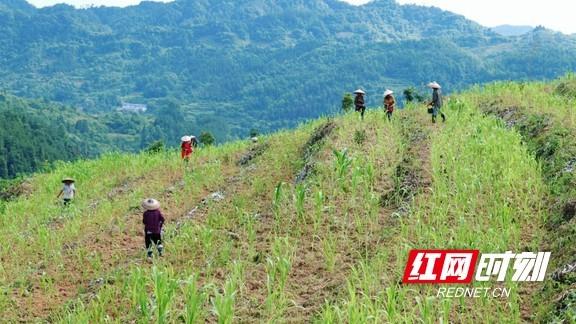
(155, 147)
(207, 139)
(347, 102)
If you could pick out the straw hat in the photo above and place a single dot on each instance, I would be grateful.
(360, 91)
(388, 92)
(434, 85)
(67, 179)
(150, 204)
(186, 138)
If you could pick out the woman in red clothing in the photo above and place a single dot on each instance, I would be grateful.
(186, 148)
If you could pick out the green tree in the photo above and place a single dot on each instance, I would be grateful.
(206, 138)
(28, 140)
(347, 102)
(411, 94)
(155, 147)
(82, 126)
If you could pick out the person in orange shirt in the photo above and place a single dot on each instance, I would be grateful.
(186, 147)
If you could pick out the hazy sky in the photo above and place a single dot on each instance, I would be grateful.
(554, 14)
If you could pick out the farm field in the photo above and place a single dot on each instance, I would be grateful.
(312, 224)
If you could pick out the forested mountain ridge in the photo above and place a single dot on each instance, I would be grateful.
(35, 133)
(28, 141)
(235, 65)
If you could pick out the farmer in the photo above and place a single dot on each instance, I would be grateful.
(153, 221)
(359, 102)
(68, 191)
(436, 102)
(389, 103)
(186, 148)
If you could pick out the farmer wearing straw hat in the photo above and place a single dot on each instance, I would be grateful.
(68, 191)
(436, 102)
(389, 103)
(359, 102)
(153, 221)
(186, 147)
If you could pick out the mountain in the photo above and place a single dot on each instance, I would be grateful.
(16, 5)
(231, 66)
(511, 30)
(313, 224)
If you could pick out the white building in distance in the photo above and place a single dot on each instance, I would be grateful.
(132, 108)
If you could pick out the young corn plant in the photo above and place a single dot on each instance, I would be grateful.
(78, 315)
(299, 199)
(223, 302)
(96, 310)
(391, 303)
(237, 275)
(356, 179)
(277, 202)
(425, 307)
(370, 174)
(249, 221)
(329, 250)
(330, 314)
(164, 289)
(47, 282)
(139, 294)
(360, 222)
(194, 299)
(373, 207)
(357, 306)
(278, 268)
(318, 210)
(343, 163)
(207, 238)
(446, 305)
(224, 252)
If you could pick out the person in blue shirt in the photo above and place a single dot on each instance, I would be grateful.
(436, 102)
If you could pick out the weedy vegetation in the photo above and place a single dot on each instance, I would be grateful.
(244, 242)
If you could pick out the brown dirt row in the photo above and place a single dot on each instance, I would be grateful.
(310, 282)
(107, 244)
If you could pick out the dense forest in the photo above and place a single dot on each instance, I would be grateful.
(34, 133)
(230, 66)
(27, 140)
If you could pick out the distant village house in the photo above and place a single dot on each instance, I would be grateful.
(132, 108)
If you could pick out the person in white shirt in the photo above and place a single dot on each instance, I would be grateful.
(68, 191)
